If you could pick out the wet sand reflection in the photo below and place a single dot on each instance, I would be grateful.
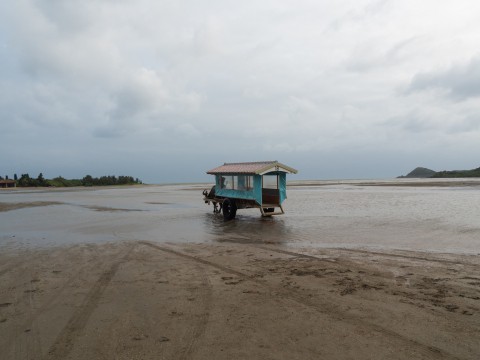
(247, 229)
(335, 215)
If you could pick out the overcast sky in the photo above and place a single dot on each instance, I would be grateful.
(165, 90)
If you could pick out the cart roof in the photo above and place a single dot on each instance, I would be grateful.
(259, 168)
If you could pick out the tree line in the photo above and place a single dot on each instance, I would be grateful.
(40, 181)
(457, 173)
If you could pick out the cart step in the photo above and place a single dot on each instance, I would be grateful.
(271, 213)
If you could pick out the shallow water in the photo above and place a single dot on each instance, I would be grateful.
(336, 214)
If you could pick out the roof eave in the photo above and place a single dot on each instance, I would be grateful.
(277, 167)
(267, 168)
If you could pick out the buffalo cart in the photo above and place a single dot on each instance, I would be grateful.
(260, 185)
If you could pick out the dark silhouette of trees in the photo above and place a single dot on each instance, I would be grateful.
(41, 180)
(457, 173)
(87, 181)
(109, 180)
(26, 181)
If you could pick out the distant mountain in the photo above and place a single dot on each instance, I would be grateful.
(420, 172)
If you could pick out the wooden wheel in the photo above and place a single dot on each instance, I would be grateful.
(229, 209)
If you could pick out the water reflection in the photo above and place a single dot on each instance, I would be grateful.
(247, 229)
(350, 215)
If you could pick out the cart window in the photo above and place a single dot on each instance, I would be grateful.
(270, 181)
(244, 182)
(233, 182)
(227, 182)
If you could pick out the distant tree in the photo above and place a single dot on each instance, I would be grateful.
(125, 180)
(6, 177)
(41, 180)
(25, 180)
(87, 181)
(15, 177)
(59, 181)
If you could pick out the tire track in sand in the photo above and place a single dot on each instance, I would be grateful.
(192, 338)
(195, 332)
(324, 308)
(22, 340)
(49, 302)
(409, 257)
(65, 341)
(367, 252)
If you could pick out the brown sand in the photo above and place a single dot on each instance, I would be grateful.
(143, 300)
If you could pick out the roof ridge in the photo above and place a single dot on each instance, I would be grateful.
(251, 162)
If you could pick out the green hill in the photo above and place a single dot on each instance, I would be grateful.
(419, 172)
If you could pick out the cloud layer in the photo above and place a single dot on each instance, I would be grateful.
(165, 90)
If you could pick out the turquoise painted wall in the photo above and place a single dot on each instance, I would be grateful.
(282, 186)
(237, 194)
(256, 193)
(257, 188)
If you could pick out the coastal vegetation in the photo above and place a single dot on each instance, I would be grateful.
(421, 172)
(40, 181)
(457, 173)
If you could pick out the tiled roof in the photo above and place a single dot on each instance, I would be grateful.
(251, 168)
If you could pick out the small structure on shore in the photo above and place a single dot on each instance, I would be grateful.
(260, 185)
(8, 183)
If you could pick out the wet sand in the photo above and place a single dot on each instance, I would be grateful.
(144, 300)
(15, 206)
(141, 298)
(401, 182)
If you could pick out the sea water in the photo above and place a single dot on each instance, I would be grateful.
(353, 214)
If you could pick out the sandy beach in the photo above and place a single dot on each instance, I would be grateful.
(141, 298)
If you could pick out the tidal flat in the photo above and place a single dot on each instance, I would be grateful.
(354, 269)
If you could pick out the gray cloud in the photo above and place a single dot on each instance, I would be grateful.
(469, 125)
(460, 82)
(122, 84)
(372, 57)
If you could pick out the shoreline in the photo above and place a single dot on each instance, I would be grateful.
(409, 182)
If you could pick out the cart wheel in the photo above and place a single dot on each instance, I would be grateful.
(229, 209)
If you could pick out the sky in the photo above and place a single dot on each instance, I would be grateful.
(166, 90)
